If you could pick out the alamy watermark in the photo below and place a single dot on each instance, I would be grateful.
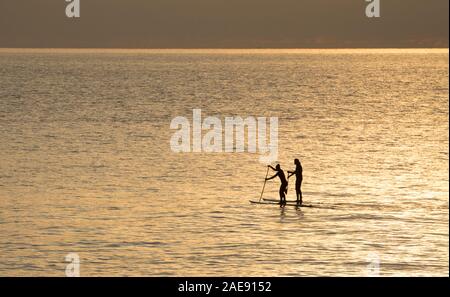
(73, 267)
(373, 9)
(373, 268)
(73, 9)
(212, 136)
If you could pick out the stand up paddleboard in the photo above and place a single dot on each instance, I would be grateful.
(278, 200)
(270, 202)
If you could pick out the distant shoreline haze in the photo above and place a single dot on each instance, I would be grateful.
(220, 24)
(233, 50)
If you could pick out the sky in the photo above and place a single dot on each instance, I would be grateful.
(224, 24)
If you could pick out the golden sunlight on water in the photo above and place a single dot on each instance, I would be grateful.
(86, 165)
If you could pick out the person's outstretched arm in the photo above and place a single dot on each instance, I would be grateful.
(269, 178)
(291, 173)
(271, 167)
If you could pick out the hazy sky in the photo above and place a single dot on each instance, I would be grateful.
(224, 24)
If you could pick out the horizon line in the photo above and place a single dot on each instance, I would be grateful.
(222, 48)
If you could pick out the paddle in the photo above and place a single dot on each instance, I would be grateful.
(265, 180)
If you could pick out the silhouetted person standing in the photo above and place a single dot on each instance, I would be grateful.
(298, 180)
(284, 182)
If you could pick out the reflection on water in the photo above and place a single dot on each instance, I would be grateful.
(86, 165)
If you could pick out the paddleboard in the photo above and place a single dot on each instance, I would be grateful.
(278, 203)
(278, 200)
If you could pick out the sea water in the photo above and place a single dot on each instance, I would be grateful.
(86, 165)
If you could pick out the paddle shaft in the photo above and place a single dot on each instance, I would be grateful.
(265, 180)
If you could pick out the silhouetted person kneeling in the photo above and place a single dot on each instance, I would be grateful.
(298, 180)
(284, 182)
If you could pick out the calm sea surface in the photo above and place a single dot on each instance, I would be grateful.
(86, 165)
